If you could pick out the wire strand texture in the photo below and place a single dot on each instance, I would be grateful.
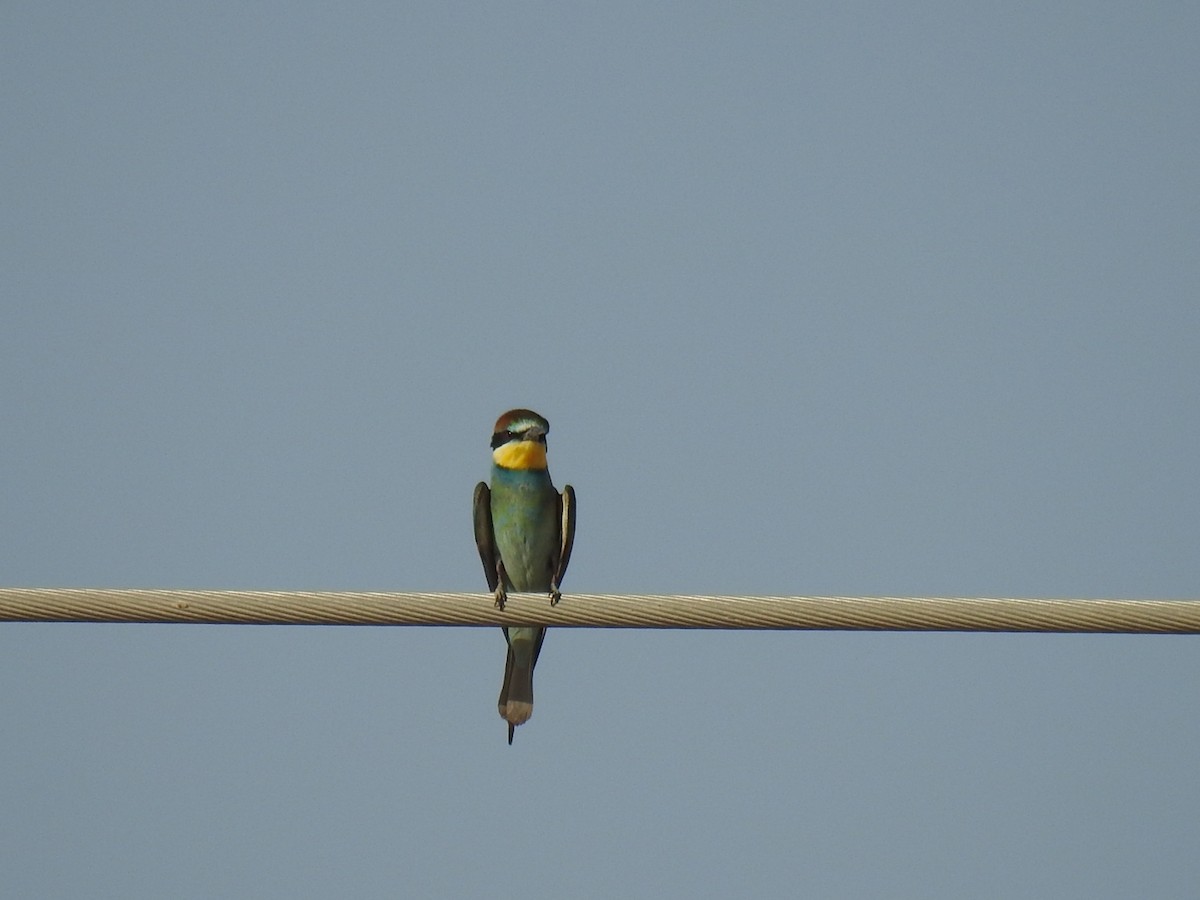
(601, 610)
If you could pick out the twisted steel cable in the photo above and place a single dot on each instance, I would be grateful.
(601, 610)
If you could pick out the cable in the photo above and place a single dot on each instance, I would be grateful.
(601, 610)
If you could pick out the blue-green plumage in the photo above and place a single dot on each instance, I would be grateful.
(525, 523)
(524, 530)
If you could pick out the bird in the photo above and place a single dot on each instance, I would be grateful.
(524, 531)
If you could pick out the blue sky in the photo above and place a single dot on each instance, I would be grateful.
(817, 300)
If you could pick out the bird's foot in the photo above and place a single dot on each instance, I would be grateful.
(555, 595)
(501, 596)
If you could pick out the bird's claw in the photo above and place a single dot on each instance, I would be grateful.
(555, 596)
(501, 598)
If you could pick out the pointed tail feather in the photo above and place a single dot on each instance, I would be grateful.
(516, 694)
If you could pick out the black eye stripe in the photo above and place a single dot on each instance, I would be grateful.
(501, 438)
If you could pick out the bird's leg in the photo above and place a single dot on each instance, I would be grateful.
(501, 594)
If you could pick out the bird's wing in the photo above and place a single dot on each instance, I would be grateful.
(537, 647)
(485, 536)
(566, 531)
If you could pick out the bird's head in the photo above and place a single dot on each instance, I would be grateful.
(519, 440)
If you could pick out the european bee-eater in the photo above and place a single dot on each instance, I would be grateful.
(524, 530)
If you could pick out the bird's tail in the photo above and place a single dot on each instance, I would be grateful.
(516, 694)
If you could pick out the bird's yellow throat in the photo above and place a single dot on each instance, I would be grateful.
(520, 455)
